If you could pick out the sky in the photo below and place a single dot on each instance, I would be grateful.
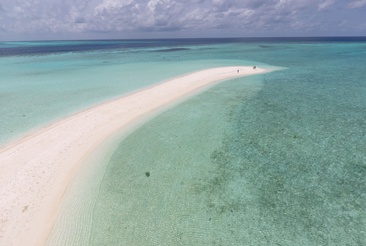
(123, 19)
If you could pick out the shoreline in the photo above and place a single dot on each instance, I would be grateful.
(37, 169)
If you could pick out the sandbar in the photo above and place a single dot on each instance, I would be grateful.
(36, 170)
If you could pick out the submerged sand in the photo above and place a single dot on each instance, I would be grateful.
(36, 170)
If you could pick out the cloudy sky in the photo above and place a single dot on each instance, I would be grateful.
(103, 19)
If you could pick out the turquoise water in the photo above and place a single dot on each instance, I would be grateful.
(273, 159)
(284, 165)
(39, 89)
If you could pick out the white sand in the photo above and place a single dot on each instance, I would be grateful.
(36, 170)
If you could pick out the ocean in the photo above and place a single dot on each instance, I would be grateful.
(271, 159)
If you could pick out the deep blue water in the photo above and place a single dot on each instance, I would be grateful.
(47, 47)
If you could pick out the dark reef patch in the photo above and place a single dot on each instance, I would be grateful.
(264, 46)
(171, 50)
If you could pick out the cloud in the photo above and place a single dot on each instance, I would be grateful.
(356, 4)
(325, 4)
(170, 16)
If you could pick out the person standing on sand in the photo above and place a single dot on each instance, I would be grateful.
(254, 67)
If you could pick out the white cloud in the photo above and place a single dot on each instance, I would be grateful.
(325, 4)
(170, 16)
(356, 4)
(111, 5)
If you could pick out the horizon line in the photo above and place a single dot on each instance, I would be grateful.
(190, 38)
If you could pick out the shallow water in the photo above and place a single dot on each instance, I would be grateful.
(262, 173)
(271, 159)
(166, 165)
(285, 165)
(36, 90)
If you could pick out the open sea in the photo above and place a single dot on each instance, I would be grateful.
(271, 159)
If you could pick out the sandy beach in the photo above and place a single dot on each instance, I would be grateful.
(36, 170)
